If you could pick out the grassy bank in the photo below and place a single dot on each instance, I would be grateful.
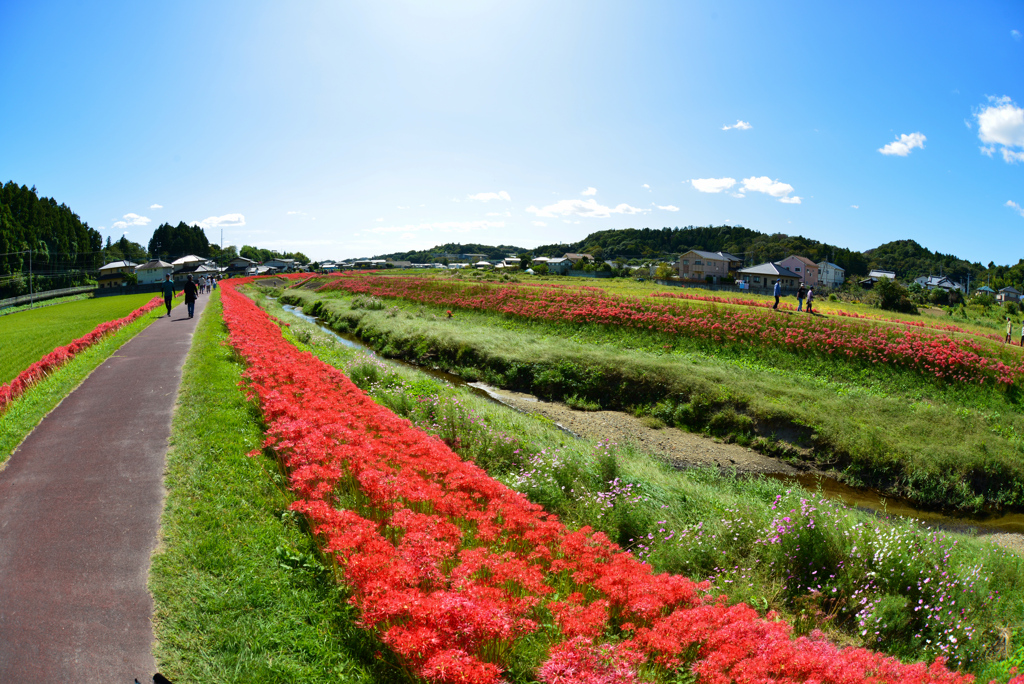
(861, 578)
(25, 412)
(239, 590)
(940, 446)
(28, 335)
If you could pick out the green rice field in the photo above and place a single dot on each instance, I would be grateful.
(27, 336)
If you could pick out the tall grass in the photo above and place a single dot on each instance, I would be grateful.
(941, 447)
(888, 584)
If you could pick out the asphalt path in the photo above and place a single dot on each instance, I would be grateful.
(80, 504)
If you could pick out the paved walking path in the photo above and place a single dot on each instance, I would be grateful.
(80, 504)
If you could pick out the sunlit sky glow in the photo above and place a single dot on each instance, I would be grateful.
(346, 129)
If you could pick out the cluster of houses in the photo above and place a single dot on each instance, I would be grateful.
(714, 267)
(154, 271)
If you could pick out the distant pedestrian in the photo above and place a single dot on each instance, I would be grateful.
(213, 282)
(1009, 330)
(190, 295)
(810, 299)
(801, 293)
(778, 293)
(168, 289)
(202, 284)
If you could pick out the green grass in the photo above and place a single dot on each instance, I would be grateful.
(27, 336)
(46, 302)
(947, 448)
(25, 412)
(239, 590)
(707, 524)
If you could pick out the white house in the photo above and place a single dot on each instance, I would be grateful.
(831, 275)
(153, 271)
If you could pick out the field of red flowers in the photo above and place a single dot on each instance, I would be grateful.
(455, 572)
(61, 355)
(935, 355)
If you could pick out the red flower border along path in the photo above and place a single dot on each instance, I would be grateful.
(61, 355)
(450, 568)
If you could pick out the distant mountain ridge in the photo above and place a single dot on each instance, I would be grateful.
(906, 258)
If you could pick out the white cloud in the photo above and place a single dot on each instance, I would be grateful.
(855, 206)
(1015, 34)
(775, 188)
(225, 221)
(712, 184)
(297, 212)
(589, 192)
(968, 124)
(740, 125)
(499, 213)
(130, 220)
(903, 146)
(156, 206)
(645, 186)
(488, 196)
(379, 220)
(1001, 126)
(587, 208)
(669, 208)
(440, 227)
(539, 223)
(1016, 207)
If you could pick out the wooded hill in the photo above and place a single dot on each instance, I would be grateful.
(64, 248)
(906, 257)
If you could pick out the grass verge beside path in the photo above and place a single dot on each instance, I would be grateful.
(240, 593)
(25, 412)
(27, 336)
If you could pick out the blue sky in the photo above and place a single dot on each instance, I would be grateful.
(347, 129)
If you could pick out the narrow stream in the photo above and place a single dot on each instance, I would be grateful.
(866, 499)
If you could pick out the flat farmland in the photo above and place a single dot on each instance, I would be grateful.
(27, 336)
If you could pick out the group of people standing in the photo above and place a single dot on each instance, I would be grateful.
(801, 294)
(192, 289)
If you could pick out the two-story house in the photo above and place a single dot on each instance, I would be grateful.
(831, 275)
(803, 267)
(113, 274)
(700, 265)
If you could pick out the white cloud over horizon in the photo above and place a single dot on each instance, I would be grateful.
(589, 192)
(1016, 207)
(903, 145)
(1001, 127)
(586, 208)
(739, 125)
(488, 196)
(156, 206)
(668, 207)
(712, 184)
(225, 221)
(129, 220)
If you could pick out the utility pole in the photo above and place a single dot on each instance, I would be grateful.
(31, 290)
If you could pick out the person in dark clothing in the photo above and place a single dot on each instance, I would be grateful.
(800, 295)
(190, 295)
(778, 293)
(168, 289)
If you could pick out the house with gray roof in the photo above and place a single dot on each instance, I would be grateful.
(700, 265)
(763, 277)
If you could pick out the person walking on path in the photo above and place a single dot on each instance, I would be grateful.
(810, 299)
(1009, 330)
(190, 295)
(168, 289)
(800, 294)
(778, 293)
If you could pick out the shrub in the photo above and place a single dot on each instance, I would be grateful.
(582, 404)
(893, 297)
